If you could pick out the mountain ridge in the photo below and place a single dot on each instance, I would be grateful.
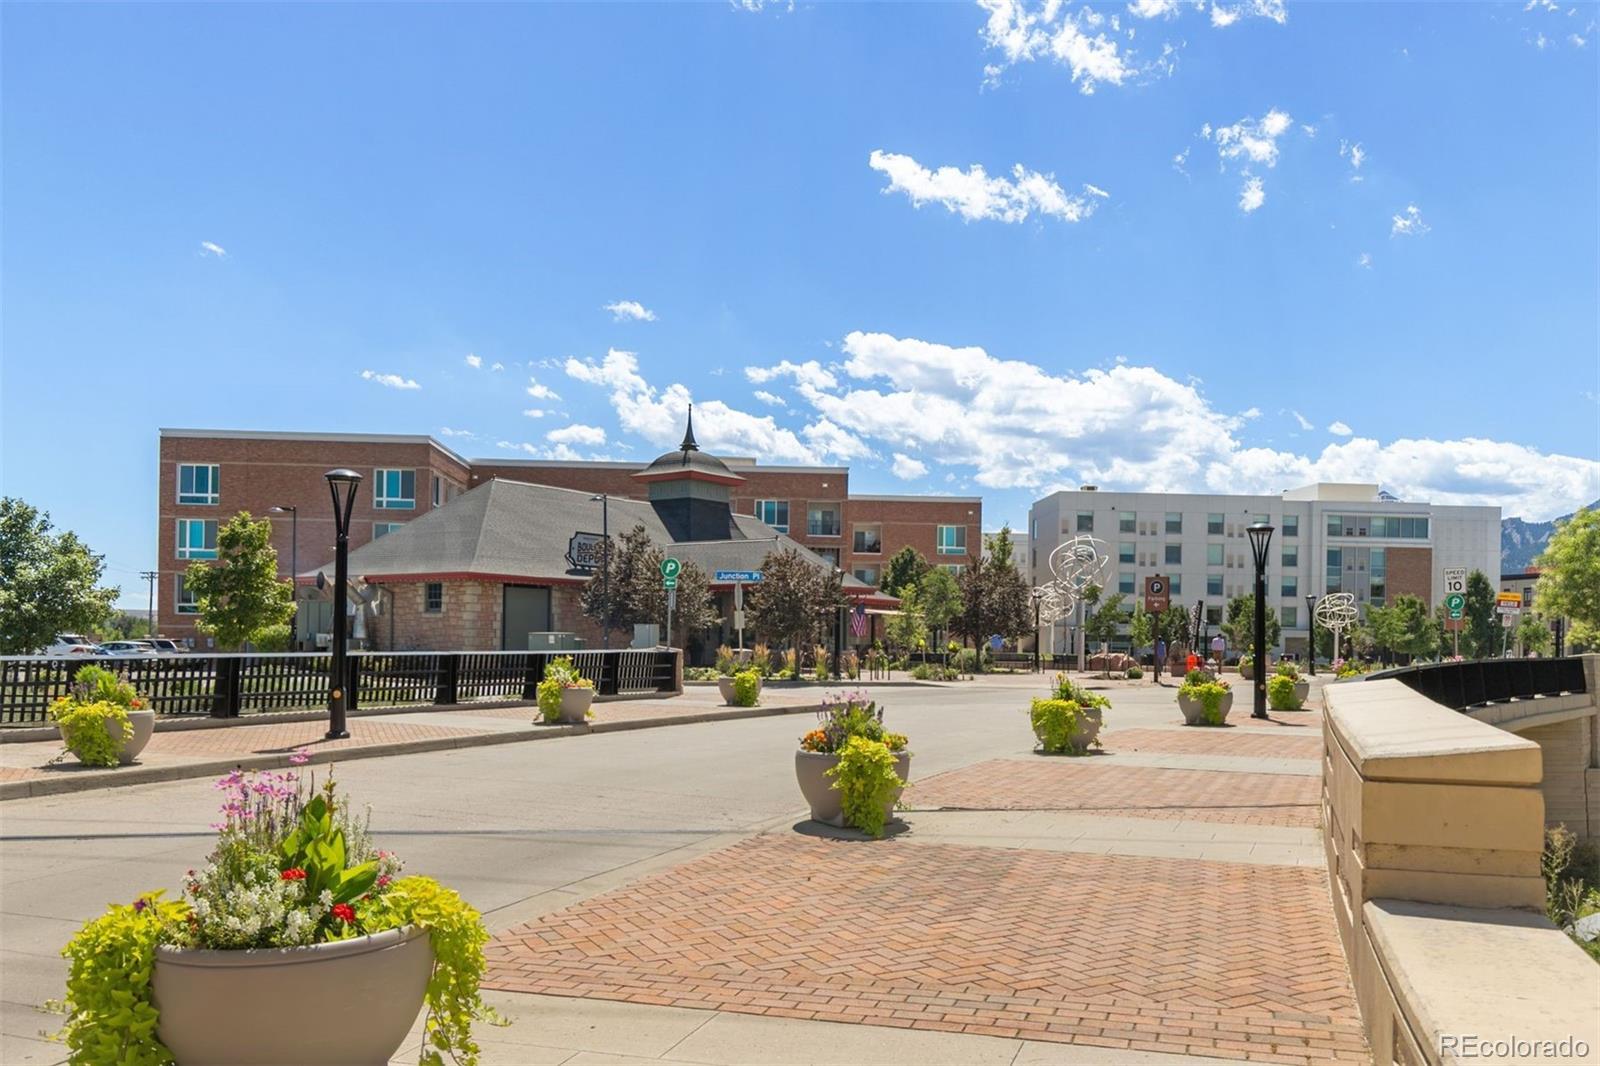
(1521, 541)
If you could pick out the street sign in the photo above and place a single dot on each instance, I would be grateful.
(1508, 599)
(748, 576)
(670, 568)
(1455, 581)
(1454, 625)
(585, 551)
(1456, 604)
(1157, 597)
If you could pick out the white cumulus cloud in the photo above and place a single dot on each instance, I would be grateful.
(1251, 194)
(474, 361)
(629, 310)
(1339, 429)
(1408, 223)
(577, 433)
(541, 392)
(1245, 145)
(908, 469)
(391, 381)
(769, 398)
(974, 195)
(810, 373)
(212, 248)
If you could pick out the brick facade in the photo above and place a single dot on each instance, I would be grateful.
(1410, 572)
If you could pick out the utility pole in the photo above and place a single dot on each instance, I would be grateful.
(150, 616)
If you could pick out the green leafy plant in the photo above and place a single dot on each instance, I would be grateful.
(867, 783)
(727, 662)
(1057, 724)
(1135, 673)
(84, 729)
(110, 1016)
(700, 673)
(1285, 668)
(559, 675)
(1281, 694)
(1066, 690)
(1210, 695)
(317, 846)
(746, 688)
(93, 684)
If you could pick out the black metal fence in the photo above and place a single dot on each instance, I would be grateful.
(227, 686)
(1475, 682)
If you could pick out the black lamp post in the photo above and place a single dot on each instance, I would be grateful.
(1038, 598)
(605, 564)
(345, 481)
(1311, 622)
(1260, 537)
(294, 559)
(838, 623)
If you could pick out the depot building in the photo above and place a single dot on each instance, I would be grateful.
(504, 565)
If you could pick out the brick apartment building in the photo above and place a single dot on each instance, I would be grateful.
(207, 476)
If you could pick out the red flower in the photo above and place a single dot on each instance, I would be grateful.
(344, 912)
(294, 873)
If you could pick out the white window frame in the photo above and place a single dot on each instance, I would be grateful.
(387, 527)
(382, 502)
(953, 569)
(825, 508)
(953, 548)
(760, 512)
(185, 551)
(859, 528)
(427, 587)
(212, 497)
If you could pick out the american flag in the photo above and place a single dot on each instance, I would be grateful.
(858, 621)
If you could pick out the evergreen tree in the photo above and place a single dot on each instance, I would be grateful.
(905, 567)
(1481, 623)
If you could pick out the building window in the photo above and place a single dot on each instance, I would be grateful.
(1291, 556)
(1174, 556)
(183, 600)
(1174, 522)
(774, 513)
(1333, 573)
(198, 482)
(1175, 585)
(1527, 596)
(952, 540)
(868, 540)
(1335, 525)
(1085, 521)
(1213, 584)
(822, 521)
(197, 538)
(394, 490)
(433, 597)
(1379, 573)
(1291, 586)
(830, 554)
(953, 569)
(1125, 583)
(1125, 551)
(1289, 615)
(867, 575)
(1214, 554)
(1291, 525)
(383, 529)
(438, 490)
(1214, 524)
(1214, 616)
(1125, 522)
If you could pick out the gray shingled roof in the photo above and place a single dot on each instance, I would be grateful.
(506, 528)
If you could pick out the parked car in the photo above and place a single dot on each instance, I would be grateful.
(72, 644)
(163, 646)
(126, 649)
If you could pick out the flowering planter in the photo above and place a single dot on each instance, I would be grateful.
(344, 1001)
(725, 686)
(575, 704)
(144, 725)
(1194, 711)
(811, 770)
(1089, 722)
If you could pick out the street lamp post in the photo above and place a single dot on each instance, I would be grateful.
(605, 565)
(1311, 622)
(294, 559)
(1260, 538)
(347, 481)
(838, 623)
(1038, 598)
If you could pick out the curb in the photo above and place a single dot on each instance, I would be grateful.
(122, 778)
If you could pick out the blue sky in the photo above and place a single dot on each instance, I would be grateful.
(1232, 247)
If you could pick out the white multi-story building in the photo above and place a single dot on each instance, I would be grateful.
(1327, 538)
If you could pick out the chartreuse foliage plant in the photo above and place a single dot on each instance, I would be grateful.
(84, 729)
(867, 783)
(559, 675)
(292, 867)
(1056, 723)
(746, 688)
(1281, 694)
(1200, 686)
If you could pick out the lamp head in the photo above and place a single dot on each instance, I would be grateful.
(342, 477)
(1260, 536)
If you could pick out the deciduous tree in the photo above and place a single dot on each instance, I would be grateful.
(1482, 626)
(634, 593)
(1569, 576)
(1239, 624)
(1404, 626)
(239, 593)
(905, 567)
(1533, 635)
(939, 597)
(908, 630)
(794, 594)
(48, 581)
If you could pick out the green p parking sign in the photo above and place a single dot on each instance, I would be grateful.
(669, 572)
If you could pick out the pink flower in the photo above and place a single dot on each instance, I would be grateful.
(300, 757)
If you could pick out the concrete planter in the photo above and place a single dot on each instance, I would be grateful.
(1302, 691)
(344, 1002)
(144, 726)
(725, 686)
(1093, 718)
(575, 705)
(1247, 671)
(1194, 711)
(811, 770)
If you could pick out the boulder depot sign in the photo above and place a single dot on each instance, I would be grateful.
(586, 551)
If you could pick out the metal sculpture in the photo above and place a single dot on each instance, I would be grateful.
(1075, 564)
(1336, 612)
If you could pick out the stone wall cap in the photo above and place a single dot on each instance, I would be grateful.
(1489, 973)
(1392, 733)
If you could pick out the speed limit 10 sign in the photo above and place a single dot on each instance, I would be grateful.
(1157, 597)
(1455, 580)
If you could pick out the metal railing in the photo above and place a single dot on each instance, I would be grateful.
(1475, 682)
(230, 685)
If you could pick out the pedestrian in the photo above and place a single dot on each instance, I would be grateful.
(1218, 646)
(1161, 657)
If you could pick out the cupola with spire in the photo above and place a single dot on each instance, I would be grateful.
(690, 490)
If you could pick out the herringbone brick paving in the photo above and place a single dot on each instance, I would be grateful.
(1096, 785)
(1221, 959)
